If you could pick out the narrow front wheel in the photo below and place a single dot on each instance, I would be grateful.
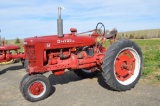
(37, 87)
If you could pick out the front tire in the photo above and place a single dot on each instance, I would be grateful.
(122, 65)
(36, 87)
(23, 81)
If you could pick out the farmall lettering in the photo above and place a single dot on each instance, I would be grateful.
(65, 41)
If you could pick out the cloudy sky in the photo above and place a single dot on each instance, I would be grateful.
(26, 18)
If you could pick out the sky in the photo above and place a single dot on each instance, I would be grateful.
(27, 18)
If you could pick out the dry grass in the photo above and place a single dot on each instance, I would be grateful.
(141, 34)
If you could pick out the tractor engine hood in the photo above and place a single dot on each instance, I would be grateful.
(53, 41)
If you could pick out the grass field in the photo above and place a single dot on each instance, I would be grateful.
(151, 54)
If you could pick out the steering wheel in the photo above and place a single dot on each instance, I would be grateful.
(100, 29)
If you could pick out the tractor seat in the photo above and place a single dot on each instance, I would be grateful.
(111, 34)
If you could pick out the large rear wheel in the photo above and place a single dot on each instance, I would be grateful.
(122, 65)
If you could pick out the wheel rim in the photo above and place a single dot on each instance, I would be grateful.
(37, 89)
(127, 66)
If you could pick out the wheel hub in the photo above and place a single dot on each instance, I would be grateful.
(36, 88)
(124, 65)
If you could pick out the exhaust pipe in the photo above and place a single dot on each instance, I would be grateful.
(60, 23)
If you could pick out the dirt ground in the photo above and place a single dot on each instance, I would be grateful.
(70, 90)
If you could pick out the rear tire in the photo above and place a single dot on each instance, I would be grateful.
(84, 73)
(36, 87)
(122, 65)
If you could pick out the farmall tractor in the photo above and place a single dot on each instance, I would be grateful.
(120, 64)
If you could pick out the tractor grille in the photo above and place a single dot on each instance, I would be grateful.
(30, 54)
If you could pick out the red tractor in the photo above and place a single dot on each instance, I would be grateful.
(8, 53)
(120, 64)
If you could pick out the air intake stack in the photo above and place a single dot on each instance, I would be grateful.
(60, 23)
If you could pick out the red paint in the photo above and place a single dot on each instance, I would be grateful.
(124, 65)
(36, 88)
(44, 57)
(58, 72)
(9, 47)
(6, 55)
